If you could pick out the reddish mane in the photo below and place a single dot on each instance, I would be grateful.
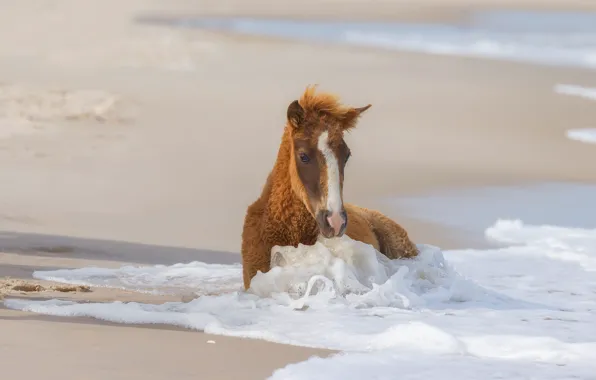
(325, 102)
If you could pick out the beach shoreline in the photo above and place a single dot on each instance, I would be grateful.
(129, 154)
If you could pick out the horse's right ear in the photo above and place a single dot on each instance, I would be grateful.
(295, 114)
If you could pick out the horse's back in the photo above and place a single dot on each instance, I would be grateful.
(374, 228)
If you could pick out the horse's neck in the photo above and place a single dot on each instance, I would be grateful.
(282, 202)
(284, 207)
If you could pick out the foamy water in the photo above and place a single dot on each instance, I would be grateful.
(574, 90)
(548, 38)
(523, 310)
(470, 210)
(585, 135)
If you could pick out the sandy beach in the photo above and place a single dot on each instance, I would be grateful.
(123, 143)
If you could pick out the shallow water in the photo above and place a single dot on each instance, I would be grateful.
(471, 210)
(551, 38)
(491, 314)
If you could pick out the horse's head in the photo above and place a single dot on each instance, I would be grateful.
(317, 123)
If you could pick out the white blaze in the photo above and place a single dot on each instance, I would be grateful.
(333, 190)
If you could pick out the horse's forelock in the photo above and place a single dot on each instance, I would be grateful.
(323, 102)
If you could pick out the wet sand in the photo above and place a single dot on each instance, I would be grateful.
(142, 144)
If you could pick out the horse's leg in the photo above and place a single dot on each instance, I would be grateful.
(394, 241)
(359, 227)
(256, 255)
(251, 267)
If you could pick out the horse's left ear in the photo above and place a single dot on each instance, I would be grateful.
(352, 116)
(295, 114)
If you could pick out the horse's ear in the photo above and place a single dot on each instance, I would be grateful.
(295, 114)
(359, 111)
(352, 115)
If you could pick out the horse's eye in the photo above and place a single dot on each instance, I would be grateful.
(304, 158)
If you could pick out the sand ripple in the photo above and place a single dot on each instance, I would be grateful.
(25, 109)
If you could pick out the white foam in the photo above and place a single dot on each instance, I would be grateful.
(393, 364)
(519, 311)
(159, 279)
(547, 38)
(529, 48)
(585, 135)
(562, 38)
(573, 90)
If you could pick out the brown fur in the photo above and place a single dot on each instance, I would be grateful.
(285, 214)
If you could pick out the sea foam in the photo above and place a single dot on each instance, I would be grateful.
(522, 309)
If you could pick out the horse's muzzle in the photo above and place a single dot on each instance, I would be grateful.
(332, 224)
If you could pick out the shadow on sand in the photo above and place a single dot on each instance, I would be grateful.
(94, 249)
